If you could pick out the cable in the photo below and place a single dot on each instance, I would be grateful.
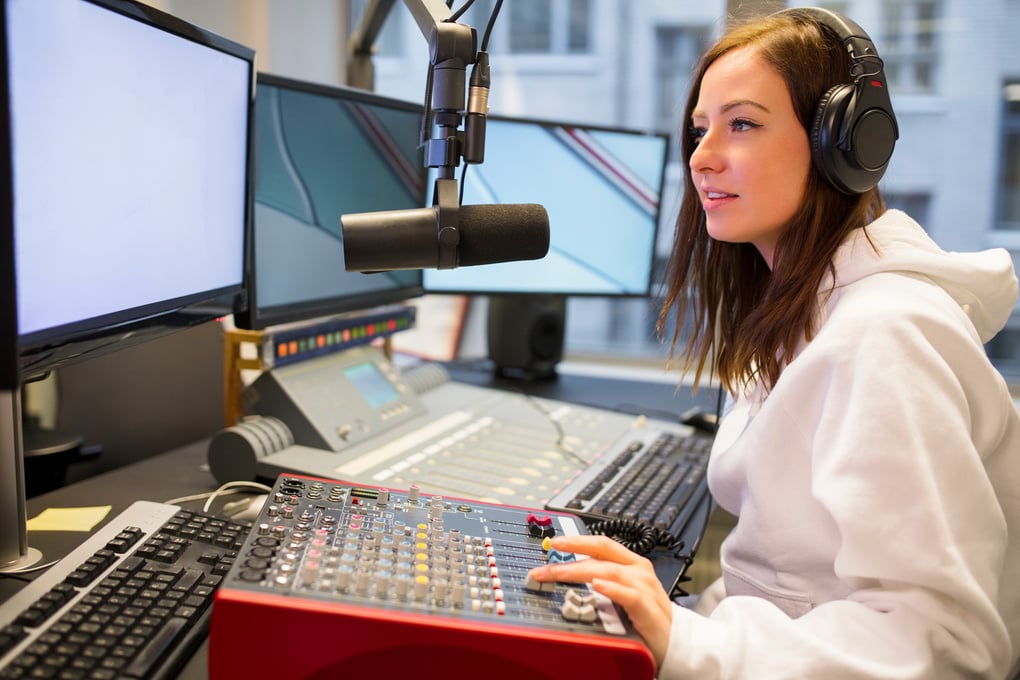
(228, 488)
(561, 443)
(490, 24)
(688, 559)
(460, 12)
(488, 27)
(463, 173)
(636, 536)
(210, 496)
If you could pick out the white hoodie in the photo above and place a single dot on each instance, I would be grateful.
(877, 486)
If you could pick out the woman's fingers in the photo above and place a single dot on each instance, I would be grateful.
(580, 571)
(626, 578)
(609, 560)
(600, 547)
(645, 609)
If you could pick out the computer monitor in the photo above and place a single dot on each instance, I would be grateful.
(322, 151)
(601, 187)
(127, 132)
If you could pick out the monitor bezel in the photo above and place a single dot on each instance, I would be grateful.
(9, 362)
(651, 282)
(43, 350)
(261, 318)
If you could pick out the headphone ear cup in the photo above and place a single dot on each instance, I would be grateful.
(825, 133)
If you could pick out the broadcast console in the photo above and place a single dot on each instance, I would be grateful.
(354, 416)
(342, 580)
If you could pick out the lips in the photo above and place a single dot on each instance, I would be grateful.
(714, 198)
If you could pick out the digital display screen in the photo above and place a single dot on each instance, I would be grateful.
(371, 384)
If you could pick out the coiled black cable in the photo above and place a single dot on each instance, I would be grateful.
(636, 536)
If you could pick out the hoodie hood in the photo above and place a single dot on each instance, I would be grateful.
(983, 283)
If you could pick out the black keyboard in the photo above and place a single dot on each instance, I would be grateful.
(654, 477)
(133, 601)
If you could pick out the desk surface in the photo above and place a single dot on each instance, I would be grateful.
(184, 471)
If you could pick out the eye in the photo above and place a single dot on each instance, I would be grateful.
(695, 134)
(742, 125)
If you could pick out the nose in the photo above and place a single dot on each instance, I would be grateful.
(705, 159)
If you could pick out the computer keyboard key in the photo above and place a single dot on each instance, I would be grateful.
(10, 636)
(156, 649)
(125, 540)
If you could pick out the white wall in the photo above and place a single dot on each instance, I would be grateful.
(301, 39)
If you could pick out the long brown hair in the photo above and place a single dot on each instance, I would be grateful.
(743, 317)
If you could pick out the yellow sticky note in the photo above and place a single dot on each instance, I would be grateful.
(68, 519)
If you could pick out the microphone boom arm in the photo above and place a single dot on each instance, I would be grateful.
(452, 48)
(360, 70)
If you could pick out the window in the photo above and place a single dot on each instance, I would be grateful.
(964, 189)
(917, 205)
(1004, 350)
(677, 49)
(908, 44)
(536, 26)
(1009, 173)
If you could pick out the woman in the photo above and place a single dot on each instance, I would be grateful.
(870, 452)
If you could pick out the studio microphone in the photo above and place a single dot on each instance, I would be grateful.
(410, 239)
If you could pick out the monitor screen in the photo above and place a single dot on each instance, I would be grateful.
(601, 187)
(129, 155)
(320, 152)
(124, 194)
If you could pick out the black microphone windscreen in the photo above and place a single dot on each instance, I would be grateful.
(502, 232)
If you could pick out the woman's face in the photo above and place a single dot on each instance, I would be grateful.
(753, 157)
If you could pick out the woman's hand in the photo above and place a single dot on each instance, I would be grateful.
(625, 577)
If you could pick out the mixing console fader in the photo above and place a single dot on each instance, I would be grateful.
(339, 580)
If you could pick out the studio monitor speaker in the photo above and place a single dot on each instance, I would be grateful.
(525, 335)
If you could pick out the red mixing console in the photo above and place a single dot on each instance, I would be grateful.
(344, 581)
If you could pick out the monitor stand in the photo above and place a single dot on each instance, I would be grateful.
(525, 335)
(15, 554)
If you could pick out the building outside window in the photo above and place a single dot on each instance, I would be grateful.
(910, 39)
(1008, 217)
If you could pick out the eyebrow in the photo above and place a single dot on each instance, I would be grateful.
(729, 106)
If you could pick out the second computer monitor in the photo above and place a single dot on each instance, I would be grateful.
(601, 187)
(322, 151)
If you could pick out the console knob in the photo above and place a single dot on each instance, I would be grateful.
(421, 585)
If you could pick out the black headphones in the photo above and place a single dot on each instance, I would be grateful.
(854, 129)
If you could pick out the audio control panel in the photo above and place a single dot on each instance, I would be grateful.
(336, 401)
(383, 581)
